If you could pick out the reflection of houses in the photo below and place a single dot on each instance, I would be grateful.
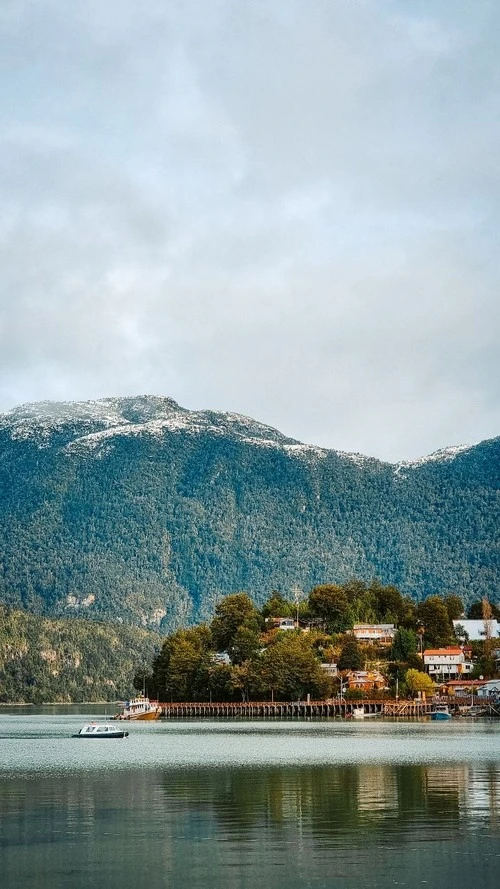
(377, 789)
(380, 634)
(366, 680)
(446, 663)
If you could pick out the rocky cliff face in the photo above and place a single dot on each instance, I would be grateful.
(139, 510)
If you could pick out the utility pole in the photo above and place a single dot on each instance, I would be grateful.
(297, 593)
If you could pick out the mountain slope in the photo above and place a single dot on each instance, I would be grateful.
(137, 509)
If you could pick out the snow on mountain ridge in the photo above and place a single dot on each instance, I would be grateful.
(101, 420)
(443, 455)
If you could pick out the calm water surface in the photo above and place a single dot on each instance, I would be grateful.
(248, 804)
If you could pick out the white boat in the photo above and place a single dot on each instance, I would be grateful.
(358, 713)
(101, 730)
(140, 708)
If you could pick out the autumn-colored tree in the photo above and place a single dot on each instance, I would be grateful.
(416, 681)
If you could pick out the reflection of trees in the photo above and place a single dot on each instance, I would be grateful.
(331, 802)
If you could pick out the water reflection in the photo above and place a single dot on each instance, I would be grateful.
(355, 799)
(362, 825)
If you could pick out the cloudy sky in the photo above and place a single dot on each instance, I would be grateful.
(284, 208)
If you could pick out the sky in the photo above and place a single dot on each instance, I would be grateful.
(282, 208)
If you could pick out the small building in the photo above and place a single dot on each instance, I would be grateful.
(281, 623)
(286, 623)
(380, 634)
(490, 689)
(366, 680)
(221, 657)
(461, 688)
(446, 663)
(330, 670)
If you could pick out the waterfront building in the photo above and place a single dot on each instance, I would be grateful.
(490, 689)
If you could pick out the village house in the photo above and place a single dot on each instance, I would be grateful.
(490, 689)
(366, 680)
(281, 623)
(446, 663)
(461, 688)
(380, 634)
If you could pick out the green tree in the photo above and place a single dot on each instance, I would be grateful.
(290, 669)
(454, 607)
(433, 615)
(404, 644)
(330, 604)
(181, 670)
(390, 605)
(246, 643)
(231, 613)
(351, 656)
(277, 606)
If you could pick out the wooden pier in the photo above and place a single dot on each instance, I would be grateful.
(296, 709)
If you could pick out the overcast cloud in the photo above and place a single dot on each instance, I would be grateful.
(285, 208)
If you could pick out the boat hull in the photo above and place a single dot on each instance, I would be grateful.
(143, 717)
(108, 736)
(440, 717)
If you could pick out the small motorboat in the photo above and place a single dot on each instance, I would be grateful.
(358, 713)
(441, 712)
(101, 730)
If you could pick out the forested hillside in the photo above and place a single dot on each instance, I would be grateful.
(139, 510)
(45, 660)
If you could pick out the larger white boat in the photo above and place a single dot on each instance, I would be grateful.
(140, 708)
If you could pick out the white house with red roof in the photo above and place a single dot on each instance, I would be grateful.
(446, 663)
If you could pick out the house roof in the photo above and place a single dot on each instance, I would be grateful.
(464, 683)
(441, 651)
(476, 630)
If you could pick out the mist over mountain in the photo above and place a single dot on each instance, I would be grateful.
(136, 509)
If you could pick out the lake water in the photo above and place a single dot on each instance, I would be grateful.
(248, 804)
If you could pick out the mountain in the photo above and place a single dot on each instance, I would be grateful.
(138, 510)
(44, 660)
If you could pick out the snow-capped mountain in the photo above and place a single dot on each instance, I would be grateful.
(138, 509)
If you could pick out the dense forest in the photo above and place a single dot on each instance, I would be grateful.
(139, 511)
(43, 660)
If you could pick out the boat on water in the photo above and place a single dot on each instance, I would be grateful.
(358, 713)
(440, 712)
(140, 708)
(98, 730)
